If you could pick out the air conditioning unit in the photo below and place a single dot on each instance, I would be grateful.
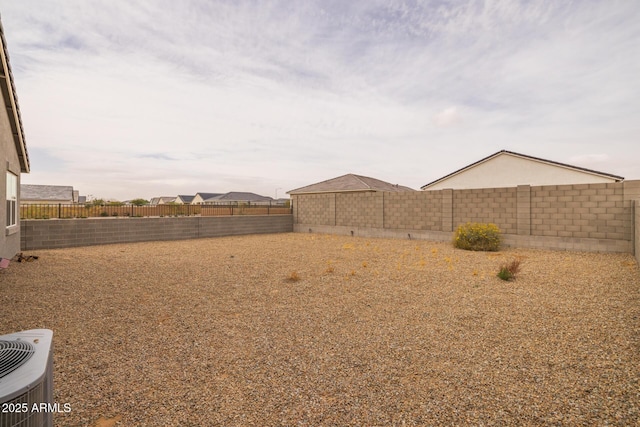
(26, 379)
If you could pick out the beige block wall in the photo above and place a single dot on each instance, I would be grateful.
(314, 209)
(596, 211)
(419, 210)
(488, 205)
(359, 209)
(582, 216)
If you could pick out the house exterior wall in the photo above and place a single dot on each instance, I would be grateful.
(45, 202)
(636, 245)
(510, 171)
(9, 162)
(197, 200)
(590, 217)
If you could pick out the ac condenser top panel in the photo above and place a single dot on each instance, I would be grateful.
(24, 358)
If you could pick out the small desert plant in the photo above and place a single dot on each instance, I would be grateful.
(330, 268)
(508, 271)
(293, 276)
(474, 236)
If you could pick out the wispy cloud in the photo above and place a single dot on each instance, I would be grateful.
(256, 96)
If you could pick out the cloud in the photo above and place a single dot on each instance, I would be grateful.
(448, 117)
(255, 96)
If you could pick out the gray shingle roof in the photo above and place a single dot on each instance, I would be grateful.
(238, 196)
(350, 182)
(46, 192)
(206, 196)
(186, 199)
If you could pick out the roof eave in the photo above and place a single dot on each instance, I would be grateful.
(363, 190)
(13, 110)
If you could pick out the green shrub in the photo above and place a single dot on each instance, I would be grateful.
(474, 236)
(510, 270)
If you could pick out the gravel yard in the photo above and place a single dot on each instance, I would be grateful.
(318, 330)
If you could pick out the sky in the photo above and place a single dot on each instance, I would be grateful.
(138, 99)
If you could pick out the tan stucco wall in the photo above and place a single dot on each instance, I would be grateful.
(637, 231)
(9, 238)
(507, 170)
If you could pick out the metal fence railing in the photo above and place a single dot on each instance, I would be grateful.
(61, 210)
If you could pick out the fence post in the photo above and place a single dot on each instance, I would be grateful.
(59, 209)
(523, 210)
(447, 209)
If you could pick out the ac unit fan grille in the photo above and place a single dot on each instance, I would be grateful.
(14, 354)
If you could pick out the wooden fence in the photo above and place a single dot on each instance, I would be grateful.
(60, 210)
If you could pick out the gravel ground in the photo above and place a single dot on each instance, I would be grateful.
(373, 332)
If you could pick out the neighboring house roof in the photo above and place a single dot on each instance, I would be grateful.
(238, 196)
(8, 89)
(205, 196)
(525, 157)
(162, 200)
(349, 182)
(185, 199)
(29, 192)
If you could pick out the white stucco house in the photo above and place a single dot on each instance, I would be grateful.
(509, 169)
(14, 158)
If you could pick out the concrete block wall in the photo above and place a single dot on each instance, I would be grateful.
(64, 233)
(596, 211)
(591, 217)
(361, 209)
(316, 209)
(419, 210)
(495, 205)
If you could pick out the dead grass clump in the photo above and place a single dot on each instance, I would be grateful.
(293, 276)
(509, 271)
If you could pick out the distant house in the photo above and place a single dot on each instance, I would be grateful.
(238, 197)
(199, 198)
(78, 198)
(349, 183)
(162, 200)
(184, 200)
(509, 169)
(48, 194)
(14, 158)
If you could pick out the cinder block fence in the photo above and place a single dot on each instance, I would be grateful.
(64, 233)
(589, 217)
